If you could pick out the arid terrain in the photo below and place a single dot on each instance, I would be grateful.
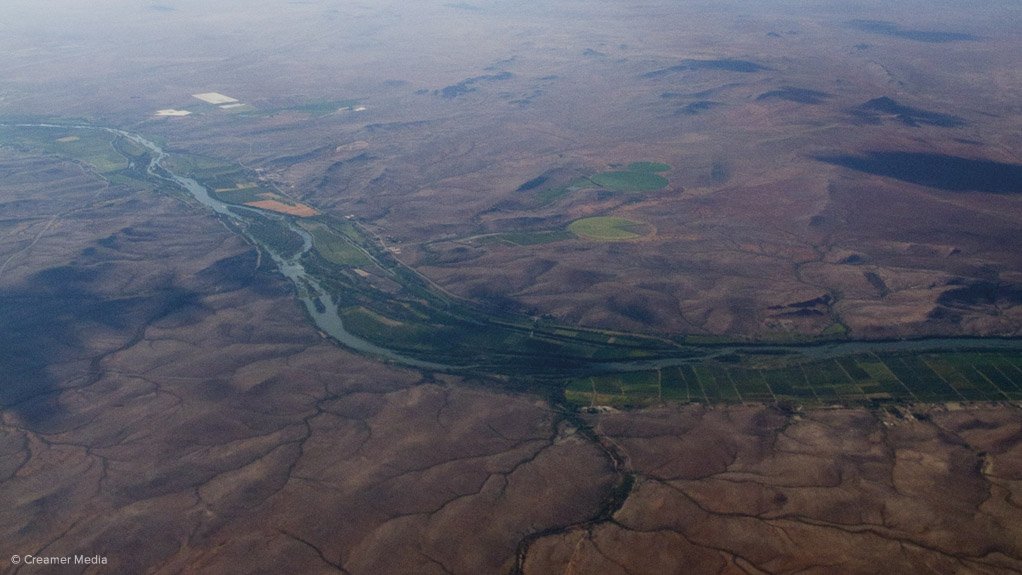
(674, 174)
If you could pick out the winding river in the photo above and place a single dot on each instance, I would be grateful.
(325, 314)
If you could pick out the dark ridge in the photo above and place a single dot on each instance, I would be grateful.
(228, 274)
(854, 260)
(726, 65)
(632, 307)
(950, 173)
(801, 313)
(43, 321)
(914, 117)
(302, 157)
(944, 314)
(455, 90)
(696, 108)
(773, 35)
(862, 46)
(532, 184)
(824, 299)
(896, 31)
(468, 84)
(799, 95)
(586, 278)
(493, 298)
(593, 53)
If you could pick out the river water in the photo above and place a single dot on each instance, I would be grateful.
(325, 315)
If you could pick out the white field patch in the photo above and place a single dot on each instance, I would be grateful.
(215, 98)
(232, 106)
(172, 112)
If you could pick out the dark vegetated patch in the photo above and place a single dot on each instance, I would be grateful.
(872, 111)
(854, 260)
(469, 85)
(455, 90)
(862, 46)
(896, 31)
(773, 35)
(877, 282)
(824, 300)
(798, 95)
(695, 108)
(944, 172)
(801, 313)
(589, 52)
(944, 314)
(719, 172)
(724, 64)
(973, 293)
(532, 184)
(978, 424)
(529, 224)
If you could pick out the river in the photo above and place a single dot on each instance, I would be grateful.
(324, 312)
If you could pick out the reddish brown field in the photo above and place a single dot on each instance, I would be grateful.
(300, 210)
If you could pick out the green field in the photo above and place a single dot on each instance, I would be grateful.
(315, 108)
(93, 147)
(607, 229)
(866, 378)
(395, 307)
(527, 238)
(334, 246)
(638, 177)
